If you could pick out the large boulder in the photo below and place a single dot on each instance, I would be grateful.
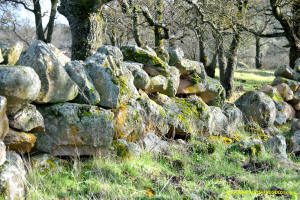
(61, 57)
(234, 116)
(287, 72)
(27, 119)
(185, 116)
(257, 107)
(295, 140)
(176, 55)
(141, 78)
(112, 51)
(87, 91)
(217, 123)
(11, 52)
(214, 93)
(114, 83)
(137, 117)
(272, 92)
(12, 177)
(285, 91)
(3, 118)
(20, 85)
(146, 56)
(56, 83)
(19, 141)
(291, 83)
(74, 129)
(152, 143)
(276, 145)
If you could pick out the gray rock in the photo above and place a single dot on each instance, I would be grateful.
(192, 69)
(176, 54)
(285, 91)
(19, 141)
(295, 140)
(158, 83)
(27, 119)
(87, 91)
(285, 162)
(276, 145)
(272, 130)
(280, 119)
(297, 65)
(56, 83)
(257, 107)
(163, 54)
(12, 177)
(234, 116)
(112, 51)
(272, 92)
(173, 82)
(145, 56)
(184, 116)
(115, 84)
(291, 83)
(217, 122)
(4, 127)
(214, 93)
(2, 152)
(286, 72)
(73, 129)
(136, 117)
(127, 149)
(152, 143)
(61, 57)
(254, 147)
(11, 52)
(20, 85)
(295, 125)
(141, 78)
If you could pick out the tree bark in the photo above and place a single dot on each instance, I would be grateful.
(231, 65)
(222, 61)
(258, 63)
(136, 30)
(38, 20)
(86, 25)
(50, 25)
(211, 70)
(158, 30)
(202, 55)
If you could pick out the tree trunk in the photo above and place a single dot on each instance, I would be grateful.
(38, 20)
(158, 30)
(86, 26)
(202, 55)
(231, 65)
(136, 30)
(50, 25)
(211, 70)
(258, 63)
(222, 61)
(293, 55)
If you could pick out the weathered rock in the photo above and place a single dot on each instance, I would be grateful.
(297, 65)
(253, 148)
(269, 131)
(173, 82)
(11, 52)
(87, 91)
(126, 149)
(74, 129)
(141, 78)
(285, 112)
(295, 140)
(145, 56)
(276, 145)
(47, 161)
(2, 152)
(272, 92)
(184, 116)
(163, 54)
(285, 91)
(258, 107)
(176, 54)
(234, 116)
(289, 111)
(291, 83)
(114, 83)
(285, 162)
(217, 122)
(158, 83)
(3, 118)
(112, 51)
(280, 119)
(61, 57)
(152, 143)
(214, 94)
(295, 125)
(27, 119)
(56, 83)
(1, 57)
(192, 69)
(12, 177)
(137, 117)
(20, 85)
(286, 72)
(19, 141)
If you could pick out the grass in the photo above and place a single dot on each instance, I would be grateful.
(186, 170)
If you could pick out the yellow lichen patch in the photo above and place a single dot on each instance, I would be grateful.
(73, 130)
(224, 140)
(21, 142)
(120, 118)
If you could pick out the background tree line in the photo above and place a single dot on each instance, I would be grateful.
(219, 33)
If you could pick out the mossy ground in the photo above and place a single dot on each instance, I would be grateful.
(209, 171)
